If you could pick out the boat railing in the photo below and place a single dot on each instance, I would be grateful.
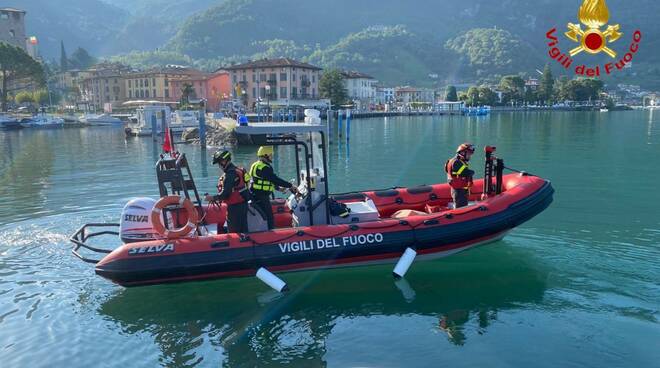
(80, 238)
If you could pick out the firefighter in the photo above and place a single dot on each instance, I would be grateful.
(233, 191)
(265, 181)
(459, 174)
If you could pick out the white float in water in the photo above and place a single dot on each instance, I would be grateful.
(404, 263)
(271, 280)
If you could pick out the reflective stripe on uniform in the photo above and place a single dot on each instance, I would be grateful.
(461, 169)
(259, 183)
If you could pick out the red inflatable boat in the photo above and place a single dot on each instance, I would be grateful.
(384, 226)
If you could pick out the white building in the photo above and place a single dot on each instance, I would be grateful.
(361, 88)
(532, 84)
(408, 96)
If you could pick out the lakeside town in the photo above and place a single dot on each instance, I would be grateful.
(277, 86)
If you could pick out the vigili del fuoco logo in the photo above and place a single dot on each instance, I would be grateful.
(596, 37)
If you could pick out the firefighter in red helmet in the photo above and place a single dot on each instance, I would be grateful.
(233, 191)
(459, 174)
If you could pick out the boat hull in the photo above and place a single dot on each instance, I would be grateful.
(431, 235)
(10, 125)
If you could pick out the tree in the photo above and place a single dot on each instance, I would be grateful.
(450, 94)
(186, 92)
(590, 88)
(582, 89)
(472, 96)
(81, 59)
(24, 97)
(513, 87)
(15, 65)
(331, 85)
(64, 62)
(609, 103)
(561, 89)
(487, 96)
(41, 97)
(530, 96)
(462, 96)
(546, 85)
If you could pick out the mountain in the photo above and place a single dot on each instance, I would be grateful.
(487, 51)
(105, 27)
(393, 55)
(453, 38)
(152, 22)
(395, 40)
(178, 8)
(91, 24)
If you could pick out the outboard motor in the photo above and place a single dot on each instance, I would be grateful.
(135, 224)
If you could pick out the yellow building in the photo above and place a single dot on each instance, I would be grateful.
(154, 85)
(72, 79)
(103, 86)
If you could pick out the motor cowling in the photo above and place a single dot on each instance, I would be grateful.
(135, 224)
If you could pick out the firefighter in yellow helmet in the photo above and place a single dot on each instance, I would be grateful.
(265, 181)
(459, 174)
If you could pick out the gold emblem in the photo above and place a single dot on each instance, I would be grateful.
(593, 14)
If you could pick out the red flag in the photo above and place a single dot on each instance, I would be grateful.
(167, 144)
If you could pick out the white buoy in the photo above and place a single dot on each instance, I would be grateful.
(271, 280)
(406, 290)
(404, 263)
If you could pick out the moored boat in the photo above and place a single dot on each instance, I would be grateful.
(100, 119)
(149, 116)
(184, 119)
(9, 123)
(42, 121)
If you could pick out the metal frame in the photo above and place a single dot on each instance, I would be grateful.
(80, 237)
(309, 157)
(496, 165)
(164, 168)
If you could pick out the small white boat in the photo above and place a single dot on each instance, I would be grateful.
(184, 119)
(604, 109)
(100, 119)
(42, 121)
(147, 116)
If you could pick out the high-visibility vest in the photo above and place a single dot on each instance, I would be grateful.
(259, 183)
(454, 178)
(240, 186)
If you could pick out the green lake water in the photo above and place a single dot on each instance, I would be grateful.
(577, 286)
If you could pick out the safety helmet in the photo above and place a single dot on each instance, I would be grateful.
(265, 151)
(465, 147)
(221, 155)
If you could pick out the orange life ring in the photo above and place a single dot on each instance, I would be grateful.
(193, 217)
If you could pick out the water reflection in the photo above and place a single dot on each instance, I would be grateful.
(247, 325)
(203, 163)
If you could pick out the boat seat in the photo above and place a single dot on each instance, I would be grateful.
(256, 219)
(362, 211)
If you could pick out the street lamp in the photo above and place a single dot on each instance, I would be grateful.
(268, 102)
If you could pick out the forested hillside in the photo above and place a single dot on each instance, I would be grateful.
(396, 41)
